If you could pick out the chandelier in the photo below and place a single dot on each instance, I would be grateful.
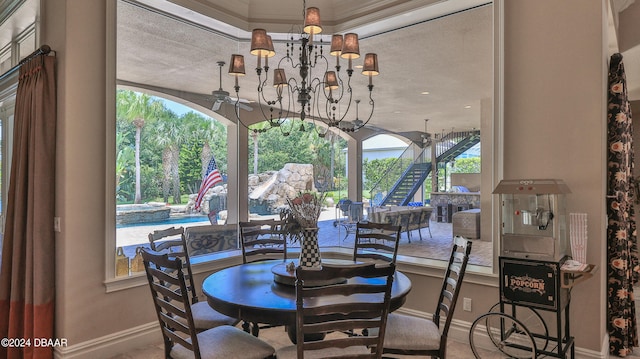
(304, 83)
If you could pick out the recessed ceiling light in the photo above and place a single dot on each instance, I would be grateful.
(397, 112)
(424, 93)
(358, 66)
(467, 106)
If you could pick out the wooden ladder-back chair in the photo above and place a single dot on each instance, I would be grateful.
(409, 335)
(376, 241)
(173, 308)
(263, 239)
(362, 302)
(173, 242)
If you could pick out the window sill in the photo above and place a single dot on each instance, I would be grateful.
(213, 262)
(199, 264)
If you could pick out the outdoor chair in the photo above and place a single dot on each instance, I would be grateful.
(173, 307)
(376, 241)
(172, 241)
(424, 222)
(263, 239)
(357, 304)
(409, 335)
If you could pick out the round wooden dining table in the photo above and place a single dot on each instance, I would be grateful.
(249, 292)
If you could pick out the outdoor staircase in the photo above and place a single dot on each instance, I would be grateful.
(416, 169)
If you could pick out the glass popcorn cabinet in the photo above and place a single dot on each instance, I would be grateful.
(533, 219)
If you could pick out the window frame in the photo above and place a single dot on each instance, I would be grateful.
(492, 174)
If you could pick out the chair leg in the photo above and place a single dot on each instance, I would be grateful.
(246, 326)
(255, 329)
(430, 235)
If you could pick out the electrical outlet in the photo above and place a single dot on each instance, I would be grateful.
(56, 224)
(466, 304)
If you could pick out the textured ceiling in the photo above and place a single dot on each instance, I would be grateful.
(176, 48)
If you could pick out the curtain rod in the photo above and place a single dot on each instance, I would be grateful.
(42, 50)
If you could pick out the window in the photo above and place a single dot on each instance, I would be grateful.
(460, 52)
(162, 153)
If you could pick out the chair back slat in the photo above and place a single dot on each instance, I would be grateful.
(165, 233)
(176, 339)
(367, 341)
(168, 245)
(360, 301)
(263, 239)
(174, 324)
(376, 241)
(171, 300)
(340, 289)
(167, 290)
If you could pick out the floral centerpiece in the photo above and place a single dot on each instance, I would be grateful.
(305, 210)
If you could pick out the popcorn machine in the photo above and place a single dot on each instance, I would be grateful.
(533, 219)
(534, 247)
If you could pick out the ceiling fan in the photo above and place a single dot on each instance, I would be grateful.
(221, 96)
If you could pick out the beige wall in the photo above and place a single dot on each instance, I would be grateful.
(83, 310)
(555, 81)
(553, 115)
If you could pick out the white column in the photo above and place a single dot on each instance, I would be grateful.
(354, 171)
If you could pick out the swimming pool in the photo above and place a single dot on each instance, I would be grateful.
(174, 219)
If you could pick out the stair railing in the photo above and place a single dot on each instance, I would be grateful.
(445, 148)
(396, 170)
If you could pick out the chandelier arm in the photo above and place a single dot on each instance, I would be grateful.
(236, 108)
(289, 102)
(341, 86)
(350, 92)
(320, 134)
(327, 109)
(372, 104)
(262, 84)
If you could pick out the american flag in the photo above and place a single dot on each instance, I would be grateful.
(211, 178)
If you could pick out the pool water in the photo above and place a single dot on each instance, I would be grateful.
(171, 220)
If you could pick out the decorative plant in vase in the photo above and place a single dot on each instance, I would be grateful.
(305, 209)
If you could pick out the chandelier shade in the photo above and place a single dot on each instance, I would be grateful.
(351, 46)
(370, 67)
(312, 21)
(279, 78)
(236, 65)
(312, 90)
(260, 43)
(330, 80)
(336, 45)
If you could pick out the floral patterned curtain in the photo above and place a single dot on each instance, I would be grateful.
(622, 247)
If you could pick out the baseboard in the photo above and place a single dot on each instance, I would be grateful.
(149, 334)
(459, 331)
(113, 344)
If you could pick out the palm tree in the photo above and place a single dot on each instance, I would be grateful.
(124, 160)
(255, 133)
(169, 133)
(213, 138)
(137, 108)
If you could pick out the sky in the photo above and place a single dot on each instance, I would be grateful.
(177, 108)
